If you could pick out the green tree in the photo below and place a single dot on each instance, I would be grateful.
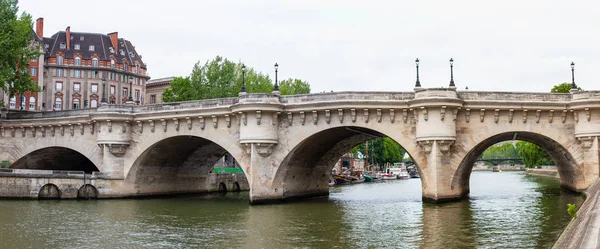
(222, 78)
(16, 39)
(563, 88)
(381, 151)
(532, 154)
(294, 86)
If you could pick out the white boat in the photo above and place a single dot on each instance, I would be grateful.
(398, 170)
(387, 176)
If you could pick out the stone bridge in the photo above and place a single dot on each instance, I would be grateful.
(287, 145)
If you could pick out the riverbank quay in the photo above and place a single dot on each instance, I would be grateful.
(549, 171)
(583, 231)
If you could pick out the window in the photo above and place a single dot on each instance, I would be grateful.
(137, 69)
(112, 90)
(58, 86)
(22, 104)
(59, 72)
(63, 45)
(125, 92)
(125, 66)
(137, 81)
(77, 73)
(95, 62)
(94, 88)
(34, 59)
(92, 48)
(94, 74)
(75, 103)
(112, 63)
(76, 87)
(13, 102)
(137, 95)
(33, 71)
(94, 103)
(59, 60)
(58, 103)
(77, 61)
(31, 103)
(121, 52)
(81, 38)
(77, 47)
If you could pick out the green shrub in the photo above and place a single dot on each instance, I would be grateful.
(572, 210)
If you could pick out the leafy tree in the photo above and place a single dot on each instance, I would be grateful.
(563, 88)
(381, 151)
(16, 36)
(294, 86)
(222, 78)
(532, 154)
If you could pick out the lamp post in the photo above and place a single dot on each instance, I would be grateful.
(452, 73)
(130, 100)
(276, 88)
(243, 79)
(418, 84)
(573, 86)
(103, 101)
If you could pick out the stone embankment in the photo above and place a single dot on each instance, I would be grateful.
(583, 231)
(549, 171)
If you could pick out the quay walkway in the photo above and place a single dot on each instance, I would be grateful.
(584, 231)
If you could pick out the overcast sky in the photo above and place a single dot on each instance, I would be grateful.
(524, 45)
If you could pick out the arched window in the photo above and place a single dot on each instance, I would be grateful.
(94, 103)
(75, 103)
(112, 63)
(13, 102)
(31, 103)
(59, 60)
(58, 103)
(77, 61)
(95, 62)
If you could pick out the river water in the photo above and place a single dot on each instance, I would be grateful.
(505, 210)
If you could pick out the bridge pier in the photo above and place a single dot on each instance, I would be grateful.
(436, 185)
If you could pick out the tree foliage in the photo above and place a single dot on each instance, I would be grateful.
(502, 151)
(222, 78)
(16, 39)
(532, 154)
(381, 151)
(563, 88)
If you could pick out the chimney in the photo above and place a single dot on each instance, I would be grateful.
(68, 37)
(39, 27)
(114, 38)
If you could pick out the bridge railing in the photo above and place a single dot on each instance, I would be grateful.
(336, 96)
(205, 103)
(515, 96)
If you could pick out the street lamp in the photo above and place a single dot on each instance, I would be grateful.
(418, 84)
(276, 88)
(130, 100)
(573, 86)
(103, 101)
(243, 79)
(452, 73)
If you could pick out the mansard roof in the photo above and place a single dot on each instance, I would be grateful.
(101, 42)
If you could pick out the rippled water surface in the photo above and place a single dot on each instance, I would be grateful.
(505, 210)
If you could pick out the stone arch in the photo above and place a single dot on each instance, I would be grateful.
(49, 192)
(222, 187)
(175, 165)
(87, 192)
(306, 168)
(19, 149)
(567, 165)
(55, 158)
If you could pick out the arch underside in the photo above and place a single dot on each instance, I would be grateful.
(306, 170)
(55, 158)
(175, 165)
(566, 165)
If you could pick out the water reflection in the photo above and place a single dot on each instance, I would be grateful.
(505, 210)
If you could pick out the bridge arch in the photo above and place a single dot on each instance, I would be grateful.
(177, 165)
(306, 168)
(563, 156)
(56, 158)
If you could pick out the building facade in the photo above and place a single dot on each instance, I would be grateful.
(77, 68)
(154, 90)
